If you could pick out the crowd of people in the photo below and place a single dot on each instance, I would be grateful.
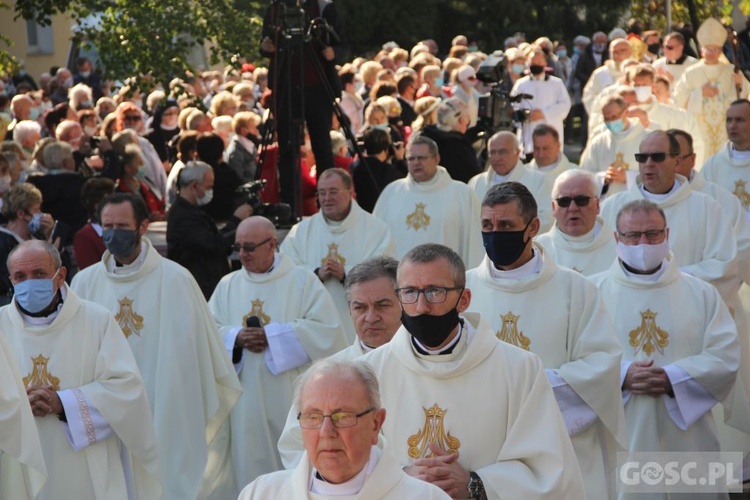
(517, 318)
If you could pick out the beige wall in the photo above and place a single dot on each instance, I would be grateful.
(37, 63)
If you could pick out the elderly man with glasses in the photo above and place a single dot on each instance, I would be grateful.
(580, 238)
(574, 337)
(341, 416)
(680, 348)
(277, 318)
(471, 414)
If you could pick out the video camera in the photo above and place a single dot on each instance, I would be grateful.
(294, 24)
(496, 108)
(278, 213)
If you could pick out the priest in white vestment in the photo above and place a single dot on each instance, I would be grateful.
(22, 469)
(574, 337)
(336, 238)
(549, 103)
(549, 158)
(580, 239)
(430, 207)
(341, 459)
(608, 73)
(470, 412)
(707, 88)
(275, 318)
(83, 385)
(504, 155)
(675, 61)
(676, 366)
(166, 321)
(609, 154)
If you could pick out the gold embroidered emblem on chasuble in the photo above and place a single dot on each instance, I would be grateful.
(419, 219)
(334, 255)
(433, 432)
(39, 376)
(740, 191)
(257, 310)
(649, 337)
(130, 322)
(509, 332)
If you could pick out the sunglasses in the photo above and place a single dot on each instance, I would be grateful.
(580, 201)
(657, 157)
(132, 118)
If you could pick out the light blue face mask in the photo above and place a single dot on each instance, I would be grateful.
(34, 114)
(518, 68)
(616, 126)
(439, 81)
(381, 126)
(142, 173)
(35, 295)
(35, 224)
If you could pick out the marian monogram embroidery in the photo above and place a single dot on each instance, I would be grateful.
(509, 332)
(740, 192)
(620, 162)
(257, 310)
(433, 432)
(39, 376)
(649, 337)
(130, 321)
(334, 255)
(419, 219)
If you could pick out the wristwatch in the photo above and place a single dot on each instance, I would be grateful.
(476, 487)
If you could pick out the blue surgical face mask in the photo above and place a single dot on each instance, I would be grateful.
(142, 173)
(562, 53)
(518, 68)
(120, 242)
(381, 126)
(616, 126)
(35, 224)
(439, 81)
(577, 50)
(35, 295)
(34, 113)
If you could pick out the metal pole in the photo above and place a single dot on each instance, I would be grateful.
(669, 16)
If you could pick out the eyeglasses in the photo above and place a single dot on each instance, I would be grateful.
(580, 201)
(412, 159)
(669, 47)
(657, 157)
(652, 235)
(330, 192)
(688, 155)
(432, 294)
(250, 247)
(132, 118)
(339, 420)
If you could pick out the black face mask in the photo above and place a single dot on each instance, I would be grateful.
(504, 247)
(654, 48)
(536, 69)
(431, 331)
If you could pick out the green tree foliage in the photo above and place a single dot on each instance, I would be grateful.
(654, 12)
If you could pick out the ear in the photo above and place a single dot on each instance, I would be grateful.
(143, 227)
(534, 227)
(378, 420)
(666, 233)
(464, 300)
(62, 274)
(617, 237)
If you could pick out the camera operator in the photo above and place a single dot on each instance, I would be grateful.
(300, 73)
(193, 240)
(378, 149)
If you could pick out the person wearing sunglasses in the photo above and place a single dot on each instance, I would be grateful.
(276, 318)
(580, 238)
(702, 236)
(675, 61)
(340, 415)
(574, 337)
(681, 352)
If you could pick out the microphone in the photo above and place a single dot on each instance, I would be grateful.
(252, 322)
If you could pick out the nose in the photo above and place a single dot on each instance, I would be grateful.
(642, 239)
(328, 429)
(371, 315)
(423, 307)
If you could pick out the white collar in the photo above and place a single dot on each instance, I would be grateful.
(588, 237)
(533, 266)
(551, 166)
(276, 258)
(659, 197)
(652, 278)
(350, 487)
(127, 269)
(738, 155)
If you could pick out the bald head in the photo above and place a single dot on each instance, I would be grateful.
(504, 150)
(35, 259)
(256, 243)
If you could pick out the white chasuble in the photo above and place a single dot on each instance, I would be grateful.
(558, 315)
(488, 401)
(358, 237)
(183, 362)
(682, 324)
(536, 182)
(730, 172)
(587, 254)
(22, 469)
(551, 172)
(440, 210)
(290, 295)
(85, 352)
(386, 481)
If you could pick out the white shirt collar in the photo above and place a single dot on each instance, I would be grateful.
(131, 268)
(350, 487)
(531, 267)
(659, 197)
(652, 278)
(738, 155)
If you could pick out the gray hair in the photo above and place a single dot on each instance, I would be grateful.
(326, 366)
(56, 153)
(371, 269)
(576, 173)
(430, 252)
(46, 245)
(338, 141)
(419, 139)
(450, 112)
(508, 135)
(24, 129)
(509, 192)
(193, 171)
(639, 206)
